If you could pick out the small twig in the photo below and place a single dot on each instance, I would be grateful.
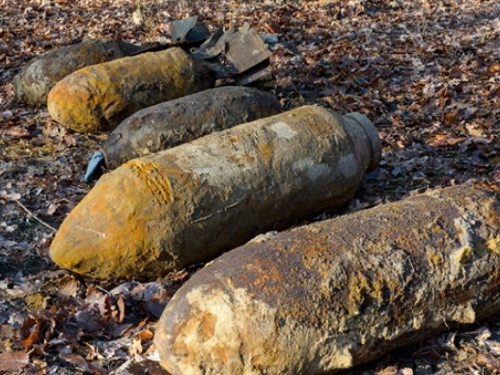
(103, 290)
(33, 216)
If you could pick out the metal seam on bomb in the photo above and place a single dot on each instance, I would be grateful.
(360, 125)
(157, 183)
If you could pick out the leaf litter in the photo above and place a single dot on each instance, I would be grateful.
(427, 73)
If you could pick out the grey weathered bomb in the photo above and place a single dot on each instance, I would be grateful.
(334, 294)
(190, 203)
(180, 121)
(33, 83)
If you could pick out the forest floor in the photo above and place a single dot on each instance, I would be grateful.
(427, 73)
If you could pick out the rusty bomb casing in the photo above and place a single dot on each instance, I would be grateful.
(337, 293)
(182, 120)
(33, 83)
(188, 204)
(98, 97)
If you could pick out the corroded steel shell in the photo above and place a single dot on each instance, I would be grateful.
(182, 120)
(337, 293)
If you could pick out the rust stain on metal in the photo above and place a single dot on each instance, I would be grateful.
(155, 180)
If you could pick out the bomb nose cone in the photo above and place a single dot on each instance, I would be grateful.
(110, 234)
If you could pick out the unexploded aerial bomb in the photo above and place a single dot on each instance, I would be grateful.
(188, 204)
(99, 97)
(334, 294)
(33, 83)
(182, 120)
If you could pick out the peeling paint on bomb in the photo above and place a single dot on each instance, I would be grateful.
(348, 166)
(311, 169)
(283, 130)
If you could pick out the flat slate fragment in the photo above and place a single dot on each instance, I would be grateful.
(245, 49)
(213, 46)
(188, 30)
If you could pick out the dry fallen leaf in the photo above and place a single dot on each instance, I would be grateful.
(137, 16)
(51, 210)
(136, 346)
(120, 304)
(19, 132)
(146, 335)
(10, 361)
(68, 286)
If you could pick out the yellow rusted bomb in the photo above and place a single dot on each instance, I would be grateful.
(188, 204)
(98, 97)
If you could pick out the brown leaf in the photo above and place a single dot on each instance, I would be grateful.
(135, 346)
(489, 361)
(100, 299)
(475, 130)
(51, 130)
(10, 361)
(443, 140)
(495, 68)
(70, 141)
(120, 304)
(19, 132)
(391, 370)
(146, 335)
(68, 286)
(52, 209)
(31, 331)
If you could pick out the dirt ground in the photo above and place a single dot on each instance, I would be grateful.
(427, 73)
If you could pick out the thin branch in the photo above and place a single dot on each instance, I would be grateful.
(35, 217)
